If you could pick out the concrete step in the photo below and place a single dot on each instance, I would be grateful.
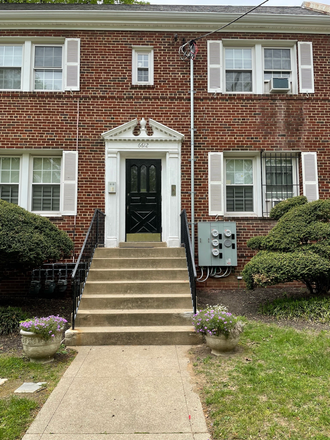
(139, 252)
(157, 335)
(166, 301)
(137, 274)
(143, 244)
(136, 294)
(140, 317)
(139, 263)
(136, 287)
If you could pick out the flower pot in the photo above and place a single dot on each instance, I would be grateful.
(220, 344)
(39, 349)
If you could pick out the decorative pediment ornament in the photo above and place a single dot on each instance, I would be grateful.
(137, 130)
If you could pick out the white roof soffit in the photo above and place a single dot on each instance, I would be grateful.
(164, 21)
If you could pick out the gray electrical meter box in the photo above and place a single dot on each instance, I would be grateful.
(217, 244)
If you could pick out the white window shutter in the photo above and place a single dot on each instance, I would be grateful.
(70, 183)
(72, 64)
(216, 184)
(214, 66)
(310, 176)
(306, 74)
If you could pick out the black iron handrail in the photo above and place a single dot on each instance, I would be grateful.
(94, 238)
(186, 242)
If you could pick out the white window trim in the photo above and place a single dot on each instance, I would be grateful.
(31, 158)
(68, 182)
(258, 46)
(253, 69)
(19, 172)
(27, 69)
(145, 50)
(309, 181)
(220, 186)
(293, 76)
(33, 68)
(256, 184)
(22, 65)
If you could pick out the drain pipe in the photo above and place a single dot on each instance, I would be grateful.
(192, 159)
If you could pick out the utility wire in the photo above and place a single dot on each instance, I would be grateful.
(223, 27)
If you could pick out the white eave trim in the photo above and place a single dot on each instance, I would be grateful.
(153, 21)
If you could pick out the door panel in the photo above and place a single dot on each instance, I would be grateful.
(143, 198)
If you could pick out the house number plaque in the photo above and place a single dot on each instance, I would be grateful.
(143, 145)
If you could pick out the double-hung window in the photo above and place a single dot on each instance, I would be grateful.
(142, 65)
(39, 64)
(9, 179)
(44, 184)
(11, 67)
(260, 66)
(48, 63)
(238, 64)
(239, 185)
(236, 181)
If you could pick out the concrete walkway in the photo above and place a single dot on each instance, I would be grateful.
(123, 393)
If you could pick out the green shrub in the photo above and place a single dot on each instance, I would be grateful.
(297, 248)
(10, 318)
(28, 240)
(256, 242)
(283, 207)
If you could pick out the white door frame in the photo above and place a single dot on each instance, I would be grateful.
(121, 143)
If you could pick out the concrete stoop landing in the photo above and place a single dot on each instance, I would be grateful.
(137, 294)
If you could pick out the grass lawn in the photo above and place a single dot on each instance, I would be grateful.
(18, 410)
(276, 386)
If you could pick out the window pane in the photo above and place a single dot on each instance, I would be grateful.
(9, 169)
(238, 58)
(143, 75)
(10, 78)
(48, 80)
(10, 56)
(143, 187)
(9, 193)
(45, 197)
(238, 81)
(48, 56)
(47, 170)
(239, 172)
(277, 59)
(143, 60)
(239, 199)
(134, 179)
(152, 178)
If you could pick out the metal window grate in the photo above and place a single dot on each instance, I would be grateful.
(279, 180)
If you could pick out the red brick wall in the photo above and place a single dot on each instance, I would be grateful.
(223, 122)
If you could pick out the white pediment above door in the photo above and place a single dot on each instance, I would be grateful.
(151, 131)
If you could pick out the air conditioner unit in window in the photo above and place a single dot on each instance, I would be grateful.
(280, 85)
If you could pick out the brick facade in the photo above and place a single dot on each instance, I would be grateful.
(107, 99)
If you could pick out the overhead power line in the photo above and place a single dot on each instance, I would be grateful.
(192, 51)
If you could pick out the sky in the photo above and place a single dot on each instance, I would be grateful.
(232, 2)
